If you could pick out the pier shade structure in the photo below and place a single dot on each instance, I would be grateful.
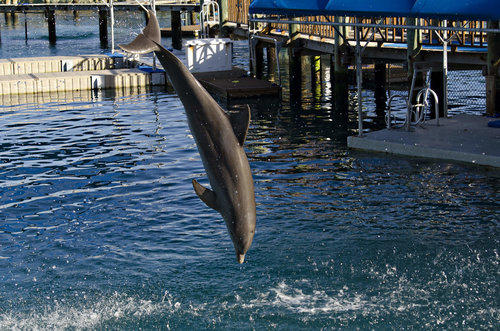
(411, 32)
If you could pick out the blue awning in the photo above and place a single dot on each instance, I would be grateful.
(370, 8)
(443, 9)
(458, 9)
(288, 7)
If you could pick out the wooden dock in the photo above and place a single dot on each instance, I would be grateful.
(235, 84)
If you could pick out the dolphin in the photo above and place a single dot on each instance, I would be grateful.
(219, 138)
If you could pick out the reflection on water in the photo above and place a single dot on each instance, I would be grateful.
(100, 227)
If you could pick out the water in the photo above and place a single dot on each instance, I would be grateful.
(101, 228)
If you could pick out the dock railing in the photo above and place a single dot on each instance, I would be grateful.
(388, 30)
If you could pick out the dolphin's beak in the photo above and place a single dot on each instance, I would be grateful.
(241, 258)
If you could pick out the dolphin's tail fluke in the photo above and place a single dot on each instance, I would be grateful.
(148, 40)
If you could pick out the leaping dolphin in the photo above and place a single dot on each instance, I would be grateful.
(219, 138)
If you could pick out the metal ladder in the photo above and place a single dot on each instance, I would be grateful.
(209, 15)
(415, 113)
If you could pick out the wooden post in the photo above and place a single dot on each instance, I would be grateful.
(176, 30)
(293, 30)
(380, 89)
(316, 77)
(259, 61)
(340, 104)
(6, 13)
(339, 70)
(224, 15)
(413, 46)
(25, 27)
(51, 21)
(271, 63)
(437, 85)
(493, 64)
(295, 79)
(193, 17)
(103, 26)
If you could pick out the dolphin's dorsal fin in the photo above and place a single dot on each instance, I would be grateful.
(206, 195)
(240, 121)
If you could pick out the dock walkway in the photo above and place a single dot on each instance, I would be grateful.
(463, 138)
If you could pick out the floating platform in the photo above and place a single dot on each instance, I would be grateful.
(64, 73)
(235, 84)
(186, 31)
(77, 80)
(463, 138)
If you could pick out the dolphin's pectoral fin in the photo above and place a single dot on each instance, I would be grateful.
(240, 121)
(206, 195)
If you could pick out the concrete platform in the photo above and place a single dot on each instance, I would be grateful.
(463, 138)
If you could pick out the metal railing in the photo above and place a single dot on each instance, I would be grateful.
(384, 30)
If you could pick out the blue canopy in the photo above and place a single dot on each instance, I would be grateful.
(288, 7)
(458, 9)
(369, 7)
(443, 9)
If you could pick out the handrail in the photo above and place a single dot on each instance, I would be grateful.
(390, 29)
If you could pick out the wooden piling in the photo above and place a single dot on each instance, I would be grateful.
(103, 26)
(437, 85)
(339, 72)
(316, 82)
(271, 63)
(25, 27)
(259, 62)
(493, 65)
(380, 88)
(176, 29)
(295, 76)
(51, 22)
(224, 14)
(413, 46)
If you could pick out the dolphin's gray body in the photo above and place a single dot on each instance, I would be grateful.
(219, 138)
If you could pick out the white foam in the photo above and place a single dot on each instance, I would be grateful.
(62, 316)
(315, 302)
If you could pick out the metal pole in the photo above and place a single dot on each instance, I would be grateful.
(112, 14)
(359, 79)
(445, 71)
(153, 8)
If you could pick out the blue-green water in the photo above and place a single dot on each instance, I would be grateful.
(100, 227)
